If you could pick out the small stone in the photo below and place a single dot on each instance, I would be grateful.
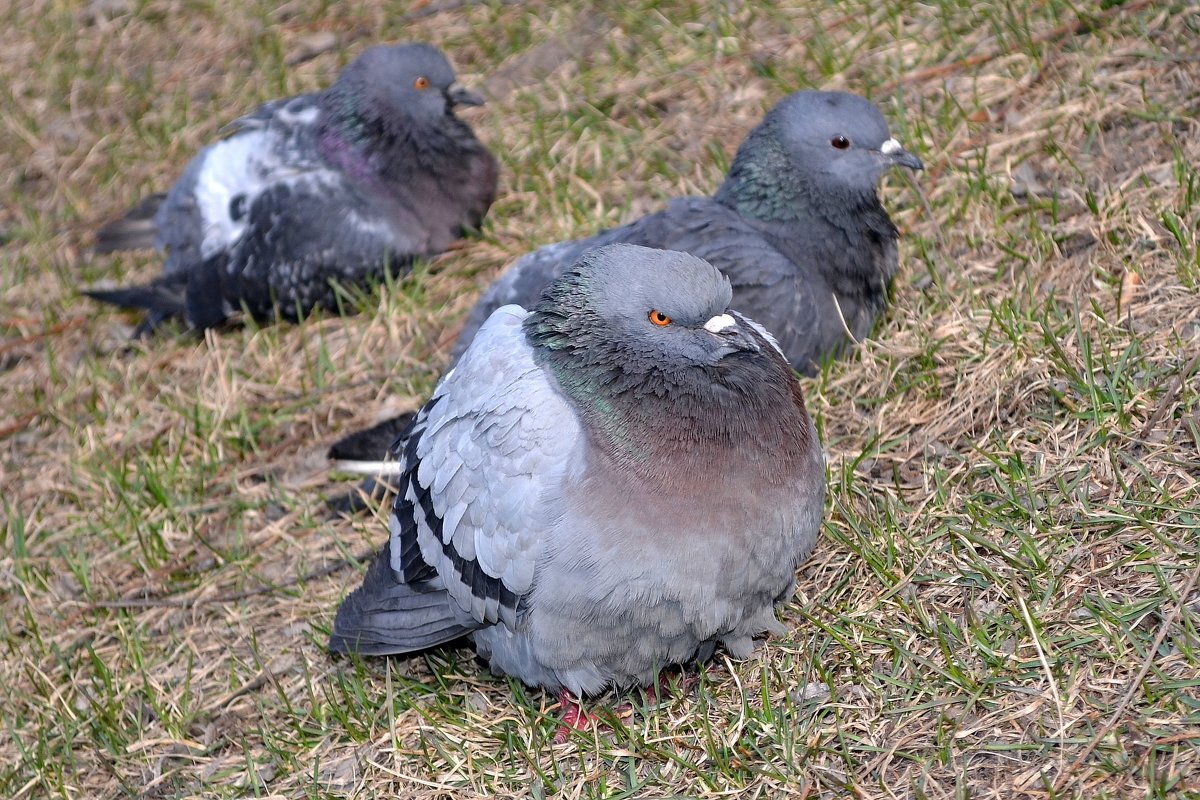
(339, 774)
(810, 691)
(1025, 182)
(935, 451)
(104, 10)
(478, 702)
(1077, 243)
(1163, 175)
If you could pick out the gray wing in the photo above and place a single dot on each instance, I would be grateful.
(179, 221)
(789, 299)
(299, 234)
(475, 505)
(204, 211)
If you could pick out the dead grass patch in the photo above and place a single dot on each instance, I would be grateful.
(1004, 604)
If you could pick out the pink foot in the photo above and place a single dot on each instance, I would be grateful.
(574, 718)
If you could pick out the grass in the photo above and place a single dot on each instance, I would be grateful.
(1004, 602)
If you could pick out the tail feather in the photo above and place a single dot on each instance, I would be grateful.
(373, 443)
(134, 231)
(162, 298)
(166, 293)
(386, 617)
(150, 296)
(365, 453)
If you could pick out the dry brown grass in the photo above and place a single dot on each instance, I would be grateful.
(1005, 602)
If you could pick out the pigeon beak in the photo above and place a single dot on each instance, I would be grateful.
(730, 336)
(895, 155)
(459, 95)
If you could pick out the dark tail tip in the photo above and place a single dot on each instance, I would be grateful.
(373, 443)
(386, 617)
(162, 300)
(365, 497)
(134, 231)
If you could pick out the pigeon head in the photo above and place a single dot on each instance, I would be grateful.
(839, 135)
(826, 145)
(666, 307)
(644, 339)
(393, 89)
(642, 309)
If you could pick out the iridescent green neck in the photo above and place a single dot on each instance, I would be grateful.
(762, 183)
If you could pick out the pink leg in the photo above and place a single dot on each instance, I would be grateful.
(574, 718)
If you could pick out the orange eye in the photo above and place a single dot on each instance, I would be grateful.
(660, 319)
(840, 142)
(421, 83)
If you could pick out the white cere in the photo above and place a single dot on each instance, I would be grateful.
(719, 323)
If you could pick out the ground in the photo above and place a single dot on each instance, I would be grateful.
(1003, 602)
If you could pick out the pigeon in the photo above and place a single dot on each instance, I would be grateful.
(797, 226)
(344, 185)
(614, 482)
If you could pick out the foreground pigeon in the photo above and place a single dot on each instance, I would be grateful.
(343, 185)
(797, 227)
(614, 482)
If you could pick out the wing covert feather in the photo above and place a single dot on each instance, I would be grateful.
(480, 472)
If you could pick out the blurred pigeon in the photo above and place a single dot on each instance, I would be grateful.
(342, 185)
(557, 489)
(797, 227)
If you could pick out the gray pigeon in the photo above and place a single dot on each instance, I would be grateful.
(609, 484)
(342, 185)
(797, 227)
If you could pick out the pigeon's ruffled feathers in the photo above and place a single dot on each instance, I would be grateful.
(338, 186)
(797, 227)
(593, 496)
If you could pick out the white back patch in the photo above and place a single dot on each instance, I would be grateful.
(232, 166)
(299, 113)
(247, 164)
